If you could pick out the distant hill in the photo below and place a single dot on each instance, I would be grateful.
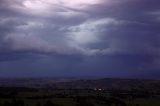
(111, 83)
(73, 83)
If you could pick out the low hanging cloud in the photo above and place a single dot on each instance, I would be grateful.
(125, 33)
(26, 35)
(36, 26)
(27, 43)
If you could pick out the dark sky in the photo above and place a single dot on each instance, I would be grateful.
(80, 38)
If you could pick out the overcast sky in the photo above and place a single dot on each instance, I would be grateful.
(105, 38)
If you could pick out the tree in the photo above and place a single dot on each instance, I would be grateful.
(49, 103)
(38, 104)
(6, 103)
(17, 102)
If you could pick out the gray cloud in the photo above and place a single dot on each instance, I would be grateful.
(113, 30)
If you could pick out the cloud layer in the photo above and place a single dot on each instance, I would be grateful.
(78, 31)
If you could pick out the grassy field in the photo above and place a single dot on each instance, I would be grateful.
(43, 97)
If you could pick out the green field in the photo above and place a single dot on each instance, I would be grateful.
(55, 97)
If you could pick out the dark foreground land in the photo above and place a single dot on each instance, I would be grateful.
(104, 92)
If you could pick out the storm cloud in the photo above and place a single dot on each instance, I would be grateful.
(84, 38)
